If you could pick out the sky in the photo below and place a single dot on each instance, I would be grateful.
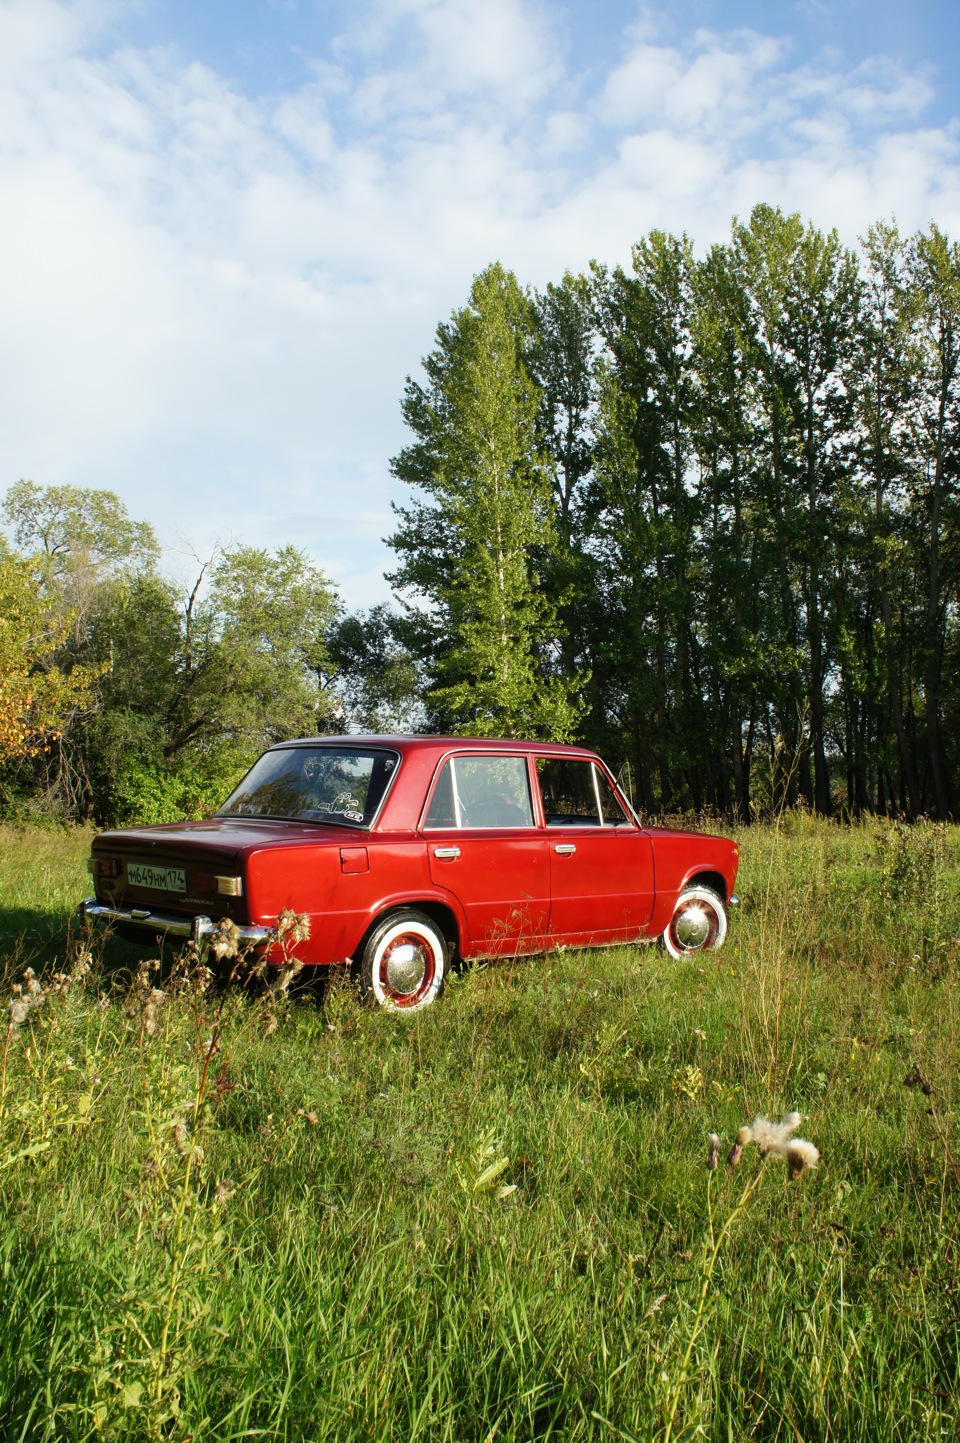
(228, 231)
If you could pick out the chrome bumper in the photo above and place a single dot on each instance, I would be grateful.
(196, 928)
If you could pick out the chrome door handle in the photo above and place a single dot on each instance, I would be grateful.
(565, 849)
(446, 854)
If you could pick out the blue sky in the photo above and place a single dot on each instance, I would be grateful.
(229, 230)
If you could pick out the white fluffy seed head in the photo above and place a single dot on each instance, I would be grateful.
(800, 1156)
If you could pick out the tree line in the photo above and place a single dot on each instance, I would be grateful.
(700, 513)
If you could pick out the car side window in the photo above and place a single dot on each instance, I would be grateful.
(611, 808)
(481, 792)
(577, 794)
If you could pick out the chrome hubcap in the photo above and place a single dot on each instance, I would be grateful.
(406, 965)
(692, 927)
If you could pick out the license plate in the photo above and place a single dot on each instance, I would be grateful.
(160, 879)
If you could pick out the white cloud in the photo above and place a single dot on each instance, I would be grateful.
(208, 300)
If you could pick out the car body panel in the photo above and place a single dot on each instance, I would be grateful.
(497, 890)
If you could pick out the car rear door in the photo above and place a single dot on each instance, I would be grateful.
(601, 862)
(483, 846)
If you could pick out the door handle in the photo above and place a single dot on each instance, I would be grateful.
(446, 854)
(565, 849)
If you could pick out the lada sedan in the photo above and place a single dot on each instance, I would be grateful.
(408, 853)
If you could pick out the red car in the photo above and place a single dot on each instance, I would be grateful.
(408, 852)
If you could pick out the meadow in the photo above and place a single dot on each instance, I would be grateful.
(232, 1213)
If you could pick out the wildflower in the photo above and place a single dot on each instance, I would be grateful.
(286, 921)
(713, 1143)
(151, 1011)
(772, 1137)
(739, 1143)
(801, 1155)
(225, 939)
(310, 1117)
(24, 997)
(285, 976)
(19, 1010)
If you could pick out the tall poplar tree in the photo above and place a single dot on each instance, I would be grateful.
(470, 548)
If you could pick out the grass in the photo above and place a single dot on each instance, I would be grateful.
(227, 1217)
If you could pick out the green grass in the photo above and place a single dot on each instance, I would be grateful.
(334, 1264)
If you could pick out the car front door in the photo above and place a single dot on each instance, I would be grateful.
(601, 862)
(483, 846)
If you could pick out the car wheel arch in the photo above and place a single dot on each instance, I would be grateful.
(706, 877)
(438, 912)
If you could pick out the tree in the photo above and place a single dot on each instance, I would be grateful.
(198, 684)
(36, 695)
(377, 675)
(933, 275)
(471, 549)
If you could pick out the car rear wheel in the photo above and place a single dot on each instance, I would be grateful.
(404, 962)
(699, 923)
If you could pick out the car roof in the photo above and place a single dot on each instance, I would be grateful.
(439, 743)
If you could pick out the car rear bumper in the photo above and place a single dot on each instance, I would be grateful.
(193, 928)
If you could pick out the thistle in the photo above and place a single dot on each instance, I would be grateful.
(800, 1156)
(774, 1139)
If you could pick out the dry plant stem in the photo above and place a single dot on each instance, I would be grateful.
(3, 1072)
(183, 1202)
(714, 1243)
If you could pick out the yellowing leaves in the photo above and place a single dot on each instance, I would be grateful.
(35, 695)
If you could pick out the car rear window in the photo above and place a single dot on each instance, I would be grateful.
(342, 785)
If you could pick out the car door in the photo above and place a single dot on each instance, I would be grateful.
(483, 846)
(601, 862)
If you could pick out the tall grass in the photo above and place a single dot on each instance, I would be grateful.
(291, 1217)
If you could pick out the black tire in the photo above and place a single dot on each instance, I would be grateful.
(698, 924)
(404, 961)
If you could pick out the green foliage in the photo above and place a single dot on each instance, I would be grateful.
(183, 690)
(472, 549)
(496, 1215)
(77, 528)
(378, 675)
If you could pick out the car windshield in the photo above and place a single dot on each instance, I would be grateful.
(342, 785)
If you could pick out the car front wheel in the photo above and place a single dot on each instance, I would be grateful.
(699, 922)
(404, 962)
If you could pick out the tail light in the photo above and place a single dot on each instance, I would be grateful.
(224, 886)
(104, 866)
